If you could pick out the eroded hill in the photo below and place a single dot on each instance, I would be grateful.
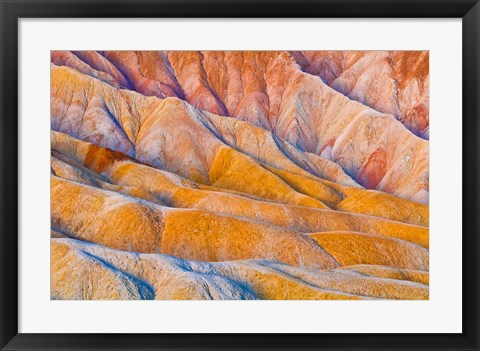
(239, 175)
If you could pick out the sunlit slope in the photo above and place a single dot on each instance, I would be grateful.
(239, 175)
(107, 202)
(171, 135)
(89, 164)
(374, 149)
(352, 248)
(121, 222)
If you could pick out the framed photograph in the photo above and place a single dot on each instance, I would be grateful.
(239, 175)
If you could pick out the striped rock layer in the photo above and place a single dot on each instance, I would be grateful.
(239, 175)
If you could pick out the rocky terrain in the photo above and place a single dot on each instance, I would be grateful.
(239, 175)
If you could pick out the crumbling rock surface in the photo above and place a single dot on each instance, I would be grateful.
(239, 175)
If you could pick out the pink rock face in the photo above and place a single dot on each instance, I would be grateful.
(395, 82)
(250, 85)
(374, 169)
(286, 94)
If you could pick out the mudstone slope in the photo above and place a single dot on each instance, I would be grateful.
(239, 175)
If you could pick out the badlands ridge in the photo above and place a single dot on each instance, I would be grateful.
(239, 175)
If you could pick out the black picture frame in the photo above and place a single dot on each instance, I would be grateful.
(11, 11)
